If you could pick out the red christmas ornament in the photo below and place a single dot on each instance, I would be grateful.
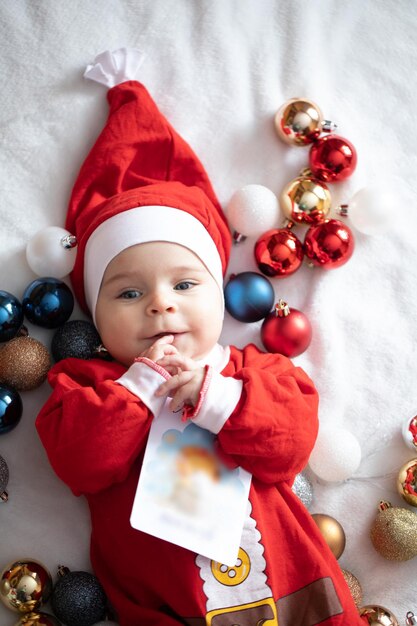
(286, 331)
(278, 253)
(332, 158)
(329, 245)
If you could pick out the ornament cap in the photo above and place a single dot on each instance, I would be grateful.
(328, 126)
(411, 619)
(69, 241)
(4, 496)
(238, 237)
(63, 570)
(343, 210)
(384, 505)
(282, 309)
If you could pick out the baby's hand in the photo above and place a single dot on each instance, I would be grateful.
(184, 387)
(159, 349)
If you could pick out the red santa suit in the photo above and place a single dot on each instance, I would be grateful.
(263, 410)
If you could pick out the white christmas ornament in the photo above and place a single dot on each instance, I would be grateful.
(336, 454)
(409, 432)
(253, 210)
(372, 210)
(52, 252)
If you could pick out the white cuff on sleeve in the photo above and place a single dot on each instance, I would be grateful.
(220, 400)
(143, 380)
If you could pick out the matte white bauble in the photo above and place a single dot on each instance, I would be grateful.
(372, 210)
(253, 210)
(52, 252)
(336, 455)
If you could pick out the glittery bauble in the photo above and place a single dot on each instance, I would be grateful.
(252, 210)
(248, 297)
(4, 478)
(76, 338)
(278, 253)
(24, 363)
(299, 122)
(394, 532)
(303, 488)
(409, 432)
(306, 200)
(11, 316)
(25, 585)
(332, 158)
(407, 482)
(332, 532)
(286, 331)
(11, 409)
(38, 619)
(329, 244)
(378, 615)
(78, 599)
(354, 587)
(48, 302)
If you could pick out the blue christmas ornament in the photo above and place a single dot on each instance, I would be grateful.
(249, 297)
(11, 316)
(48, 302)
(10, 409)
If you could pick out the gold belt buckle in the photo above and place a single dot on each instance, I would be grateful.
(263, 612)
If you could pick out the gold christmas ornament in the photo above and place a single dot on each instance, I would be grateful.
(306, 200)
(394, 532)
(38, 619)
(25, 585)
(332, 531)
(299, 122)
(354, 587)
(378, 615)
(24, 363)
(407, 482)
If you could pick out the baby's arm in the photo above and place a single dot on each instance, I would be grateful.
(264, 411)
(94, 426)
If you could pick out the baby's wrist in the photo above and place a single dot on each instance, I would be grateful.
(155, 366)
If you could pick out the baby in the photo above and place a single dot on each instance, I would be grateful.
(153, 247)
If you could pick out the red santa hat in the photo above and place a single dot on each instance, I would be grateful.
(141, 182)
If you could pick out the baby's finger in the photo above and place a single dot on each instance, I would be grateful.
(178, 360)
(174, 383)
(180, 397)
(162, 340)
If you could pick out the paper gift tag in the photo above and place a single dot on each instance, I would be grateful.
(186, 495)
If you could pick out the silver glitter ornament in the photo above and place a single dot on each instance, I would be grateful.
(4, 479)
(303, 488)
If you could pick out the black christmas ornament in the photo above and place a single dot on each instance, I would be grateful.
(249, 297)
(48, 302)
(76, 338)
(11, 409)
(78, 599)
(4, 479)
(11, 316)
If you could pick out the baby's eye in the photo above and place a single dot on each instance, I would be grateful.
(184, 284)
(130, 294)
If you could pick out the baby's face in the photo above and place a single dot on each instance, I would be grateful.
(153, 289)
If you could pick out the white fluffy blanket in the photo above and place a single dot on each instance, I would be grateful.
(219, 70)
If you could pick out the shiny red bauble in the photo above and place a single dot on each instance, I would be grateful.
(329, 245)
(286, 331)
(278, 253)
(332, 158)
